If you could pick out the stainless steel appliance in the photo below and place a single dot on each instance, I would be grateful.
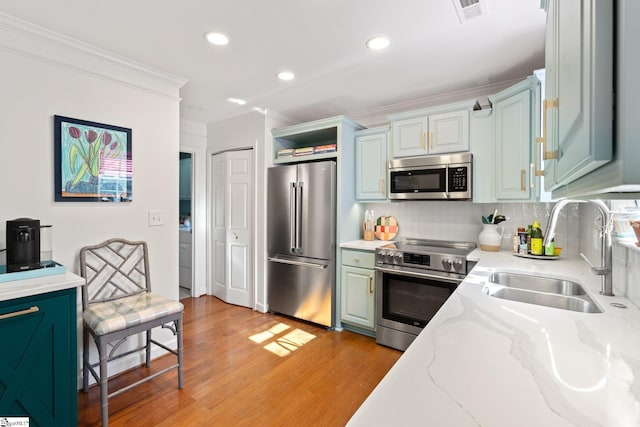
(414, 278)
(301, 246)
(437, 177)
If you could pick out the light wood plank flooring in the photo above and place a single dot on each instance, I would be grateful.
(247, 368)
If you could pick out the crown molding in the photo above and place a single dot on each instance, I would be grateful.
(379, 116)
(38, 43)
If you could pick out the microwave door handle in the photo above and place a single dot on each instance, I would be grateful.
(446, 181)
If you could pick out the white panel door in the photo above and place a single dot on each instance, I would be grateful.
(233, 227)
(219, 219)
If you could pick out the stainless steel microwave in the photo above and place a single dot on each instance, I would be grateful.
(436, 177)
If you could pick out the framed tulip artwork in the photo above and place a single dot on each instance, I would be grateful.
(92, 161)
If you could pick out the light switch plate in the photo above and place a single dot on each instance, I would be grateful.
(156, 218)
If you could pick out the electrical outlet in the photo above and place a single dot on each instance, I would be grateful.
(156, 218)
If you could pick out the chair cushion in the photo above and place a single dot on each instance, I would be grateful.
(111, 316)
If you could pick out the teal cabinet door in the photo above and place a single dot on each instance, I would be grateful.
(579, 89)
(38, 359)
(513, 147)
(449, 132)
(408, 137)
(371, 164)
(358, 296)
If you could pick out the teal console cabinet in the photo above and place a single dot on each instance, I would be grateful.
(38, 354)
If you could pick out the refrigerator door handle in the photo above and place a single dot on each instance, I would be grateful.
(300, 263)
(299, 248)
(293, 216)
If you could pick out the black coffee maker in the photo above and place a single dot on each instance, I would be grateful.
(23, 244)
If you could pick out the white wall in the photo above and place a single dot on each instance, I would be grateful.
(193, 139)
(34, 87)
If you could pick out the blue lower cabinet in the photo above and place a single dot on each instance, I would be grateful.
(38, 359)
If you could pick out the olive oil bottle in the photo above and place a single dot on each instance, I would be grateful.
(536, 239)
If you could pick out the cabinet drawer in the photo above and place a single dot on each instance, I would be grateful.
(364, 259)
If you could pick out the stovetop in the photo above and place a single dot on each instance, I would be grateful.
(439, 255)
(423, 246)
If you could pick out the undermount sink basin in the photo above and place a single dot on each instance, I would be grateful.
(539, 290)
(537, 283)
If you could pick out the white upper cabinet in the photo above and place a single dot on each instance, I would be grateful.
(579, 89)
(434, 131)
(371, 163)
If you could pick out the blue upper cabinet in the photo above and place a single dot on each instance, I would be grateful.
(433, 131)
(514, 139)
(371, 163)
(578, 109)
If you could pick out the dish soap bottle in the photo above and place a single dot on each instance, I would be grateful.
(536, 239)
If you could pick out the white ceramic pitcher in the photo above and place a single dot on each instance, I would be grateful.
(490, 238)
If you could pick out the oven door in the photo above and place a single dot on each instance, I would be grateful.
(406, 301)
(422, 183)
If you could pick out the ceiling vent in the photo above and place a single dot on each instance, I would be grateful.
(470, 9)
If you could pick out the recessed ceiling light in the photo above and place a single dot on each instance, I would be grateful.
(378, 43)
(218, 39)
(286, 75)
(237, 101)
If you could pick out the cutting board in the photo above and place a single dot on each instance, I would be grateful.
(386, 227)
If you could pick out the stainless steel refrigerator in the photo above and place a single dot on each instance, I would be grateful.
(301, 243)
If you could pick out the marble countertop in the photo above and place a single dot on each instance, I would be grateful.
(365, 245)
(39, 285)
(485, 361)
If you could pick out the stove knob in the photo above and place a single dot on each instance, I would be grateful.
(388, 257)
(457, 264)
(380, 256)
(397, 258)
(446, 263)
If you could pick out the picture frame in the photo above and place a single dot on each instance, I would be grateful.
(92, 161)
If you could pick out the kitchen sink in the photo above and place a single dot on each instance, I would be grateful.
(540, 290)
(537, 283)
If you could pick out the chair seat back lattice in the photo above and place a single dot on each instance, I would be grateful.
(114, 269)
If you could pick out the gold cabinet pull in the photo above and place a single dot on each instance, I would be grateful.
(33, 309)
(381, 185)
(522, 175)
(370, 284)
(422, 142)
(430, 140)
(356, 260)
(547, 155)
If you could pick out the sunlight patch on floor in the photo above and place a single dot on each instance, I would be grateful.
(269, 333)
(282, 345)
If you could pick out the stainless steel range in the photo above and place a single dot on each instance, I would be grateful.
(414, 278)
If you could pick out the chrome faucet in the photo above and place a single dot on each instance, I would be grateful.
(605, 240)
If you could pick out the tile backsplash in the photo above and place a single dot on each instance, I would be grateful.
(462, 221)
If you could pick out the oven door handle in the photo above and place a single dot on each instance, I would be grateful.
(454, 280)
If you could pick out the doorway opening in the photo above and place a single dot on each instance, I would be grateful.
(185, 240)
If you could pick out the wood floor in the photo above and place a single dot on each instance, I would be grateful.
(245, 368)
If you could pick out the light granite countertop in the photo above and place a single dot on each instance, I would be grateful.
(39, 285)
(365, 245)
(485, 361)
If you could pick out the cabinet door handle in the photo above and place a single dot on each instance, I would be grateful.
(381, 185)
(33, 309)
(356, 260)
(422, 142)
(522, 174)
(430, 140)
(547, 104)
(532, 173)
(370, 284)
